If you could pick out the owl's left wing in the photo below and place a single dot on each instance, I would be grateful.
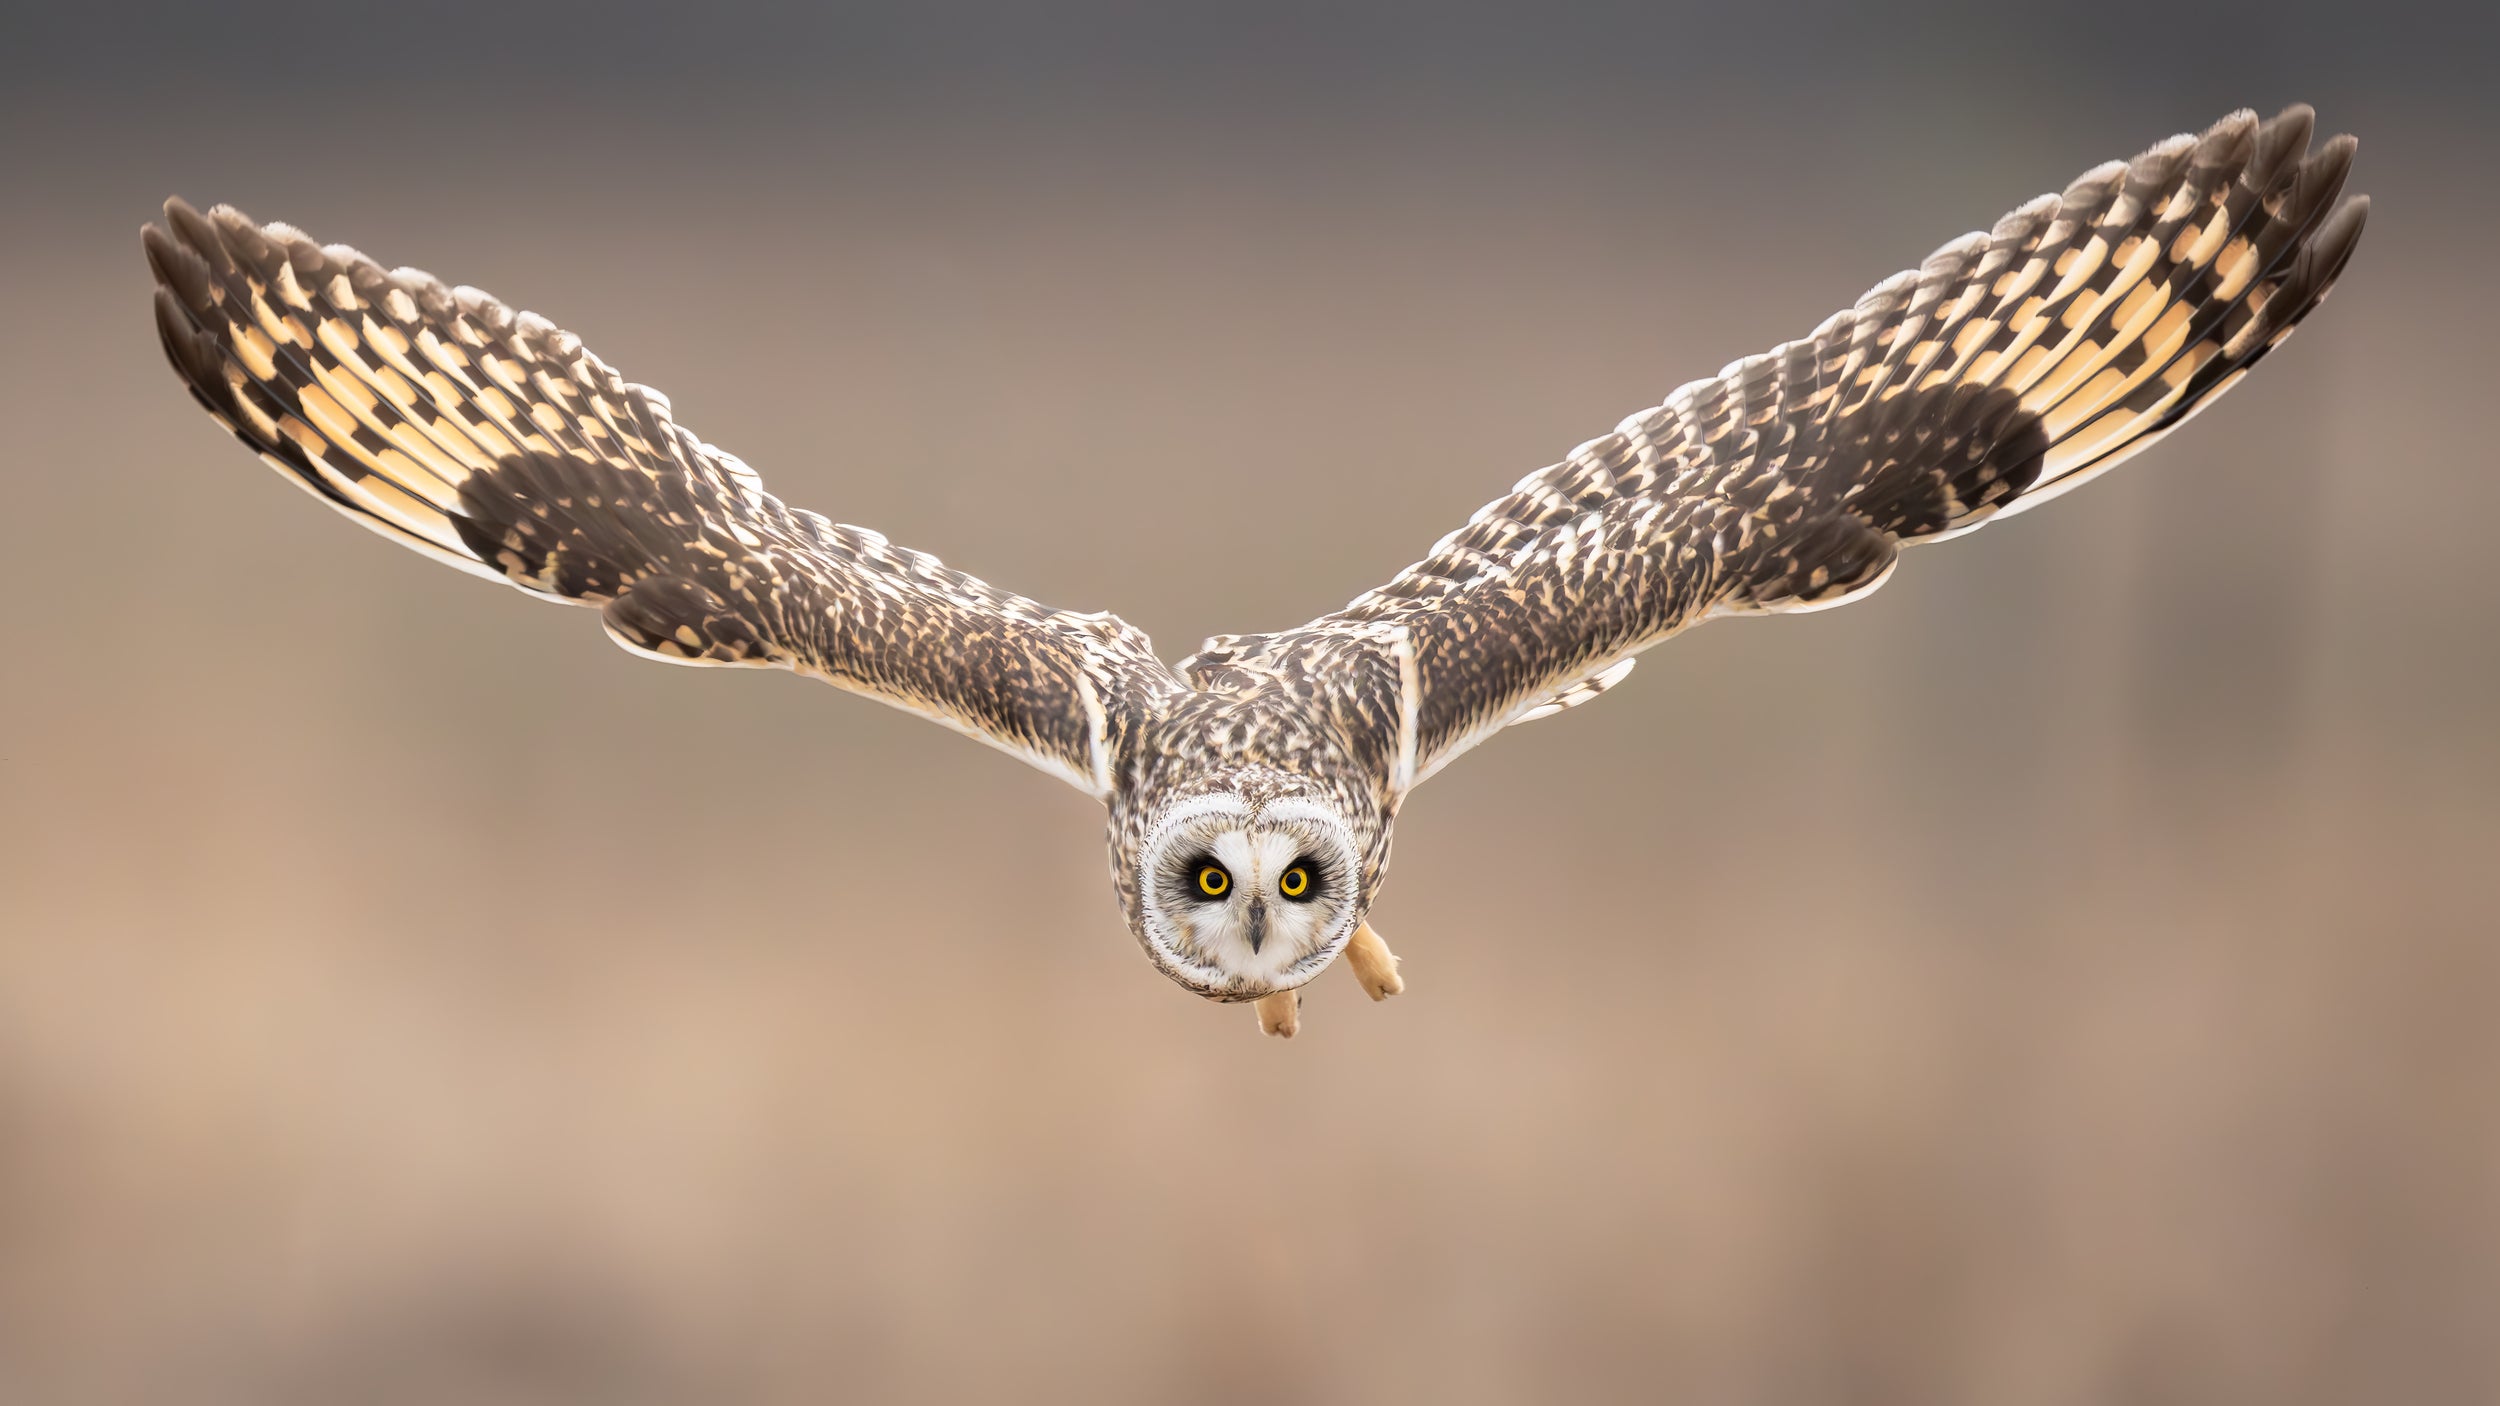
(2009, 367)
(494, 442)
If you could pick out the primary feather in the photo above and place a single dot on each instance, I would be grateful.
(495, 442)
(2009, 367)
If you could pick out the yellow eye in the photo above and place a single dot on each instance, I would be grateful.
(1296, 883)
(1213, 881)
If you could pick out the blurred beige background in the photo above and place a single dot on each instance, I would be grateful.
(2067, 977)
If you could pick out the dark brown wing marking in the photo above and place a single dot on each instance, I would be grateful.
(494, 442)
(2009, 367)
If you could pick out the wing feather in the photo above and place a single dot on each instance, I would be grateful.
(493, 441)
(2010, 366)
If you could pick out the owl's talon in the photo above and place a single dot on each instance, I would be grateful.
(1374, 964)
(1280, 1013)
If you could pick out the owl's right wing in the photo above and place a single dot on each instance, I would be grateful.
(494, 442)
(2009, 367)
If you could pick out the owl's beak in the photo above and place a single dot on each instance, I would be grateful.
(1258, 923)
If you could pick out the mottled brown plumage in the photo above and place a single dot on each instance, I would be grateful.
(497, 442)
(2009, 367)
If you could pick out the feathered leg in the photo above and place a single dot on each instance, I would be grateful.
(1373, 964)
(1281, 1013)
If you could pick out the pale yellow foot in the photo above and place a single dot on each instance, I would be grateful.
(1374, 964)
(1281, 1013)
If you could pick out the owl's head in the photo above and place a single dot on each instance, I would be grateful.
(1241, 896)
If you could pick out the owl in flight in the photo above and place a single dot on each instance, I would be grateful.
(1252, 788)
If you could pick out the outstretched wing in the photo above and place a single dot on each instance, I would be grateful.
(2009, 367)
(496, 443)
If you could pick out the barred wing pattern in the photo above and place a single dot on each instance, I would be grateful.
(2008, 368)
(494, 442)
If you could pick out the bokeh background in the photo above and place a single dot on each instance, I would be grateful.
(2069, 976)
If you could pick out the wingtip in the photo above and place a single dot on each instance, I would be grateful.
(2341, 237)
(2322, 176)
(158, 246)
(179, 270)
(191, 228)
(2341, 232)
(2282, 140)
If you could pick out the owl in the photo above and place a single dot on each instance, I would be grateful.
(1252, 788)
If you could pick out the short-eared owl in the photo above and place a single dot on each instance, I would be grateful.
(1252, 787)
